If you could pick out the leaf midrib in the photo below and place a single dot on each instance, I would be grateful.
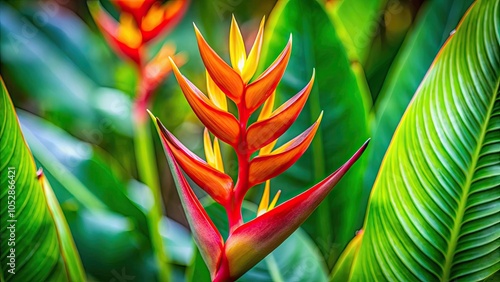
(457, 225)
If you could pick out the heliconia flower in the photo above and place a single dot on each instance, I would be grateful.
(140, 22)
(249, 242)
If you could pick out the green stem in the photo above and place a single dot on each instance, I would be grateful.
(147, 169)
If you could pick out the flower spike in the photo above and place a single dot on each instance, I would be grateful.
(248, 242)
(163, 18)
(209, 177)
(111, 29)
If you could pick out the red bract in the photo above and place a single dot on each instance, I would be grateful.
(249, 242)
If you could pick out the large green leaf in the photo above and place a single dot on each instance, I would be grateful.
(344, 126)
(433, 25)
(30, 241)
(434, 212)
(296, 259)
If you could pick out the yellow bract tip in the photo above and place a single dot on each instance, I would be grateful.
(153, 18)
(215, 94)
(219, 165)
(209, 151)
(267, 109)
(237, 50)
(275, 200)
(254, 55)
(264, 202)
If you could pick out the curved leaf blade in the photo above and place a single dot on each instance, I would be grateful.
(68, 248)
(434, 212)
(37, 249)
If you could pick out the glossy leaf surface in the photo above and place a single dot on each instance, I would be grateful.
(434, 209)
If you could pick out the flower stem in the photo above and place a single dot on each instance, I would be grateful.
(241, 187)
(147, 169)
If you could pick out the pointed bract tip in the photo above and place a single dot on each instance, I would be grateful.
(320, 117)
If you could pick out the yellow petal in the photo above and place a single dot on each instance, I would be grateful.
(275, 200)
(209, 152)
(266, 150)
(267, 109)
(264, 202)
(253, 57)
(128, 33)
(215, 94)
(237, 50)
(266, 112)
(219, 165)
(153, 18)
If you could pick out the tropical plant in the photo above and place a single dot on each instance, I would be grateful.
(404, 73)
(249, 242)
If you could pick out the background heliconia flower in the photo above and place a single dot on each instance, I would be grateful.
(249, 242)
(139, 23)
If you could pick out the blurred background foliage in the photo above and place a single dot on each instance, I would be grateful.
(74, 95)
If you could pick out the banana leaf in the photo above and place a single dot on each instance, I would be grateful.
(434, 210)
